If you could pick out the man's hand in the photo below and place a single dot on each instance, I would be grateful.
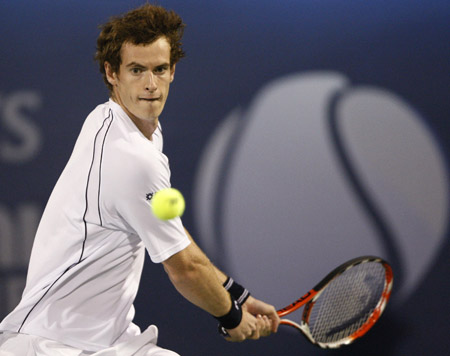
(259, 319)
(265, 313)
(248, 327)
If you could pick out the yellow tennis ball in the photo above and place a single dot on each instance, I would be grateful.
(167, 204)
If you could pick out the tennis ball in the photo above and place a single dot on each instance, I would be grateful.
(167, 204)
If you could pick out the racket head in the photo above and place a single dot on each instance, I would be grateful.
(345, 304)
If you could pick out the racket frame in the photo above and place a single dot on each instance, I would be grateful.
(309, 299)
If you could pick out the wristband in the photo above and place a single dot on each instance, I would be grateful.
(238, 292)
(233, 318)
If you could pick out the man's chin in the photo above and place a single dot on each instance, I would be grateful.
(148, 115)
(151, 112)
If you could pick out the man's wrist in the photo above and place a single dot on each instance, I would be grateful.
(233, 318)
(238, 292)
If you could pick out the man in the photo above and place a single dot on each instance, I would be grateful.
(89, 249)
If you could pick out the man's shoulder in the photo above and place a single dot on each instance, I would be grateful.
(128, 156)
(102, 110)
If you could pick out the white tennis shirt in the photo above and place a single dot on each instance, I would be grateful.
(89, 249)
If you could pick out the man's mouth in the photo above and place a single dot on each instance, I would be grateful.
(150, 99)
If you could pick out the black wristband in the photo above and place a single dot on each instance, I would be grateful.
(233, 318)
(238, 292)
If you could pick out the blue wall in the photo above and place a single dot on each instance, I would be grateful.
(49, 83)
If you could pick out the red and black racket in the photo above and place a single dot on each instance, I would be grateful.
(345, 304)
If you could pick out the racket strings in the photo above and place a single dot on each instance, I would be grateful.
(346, 303)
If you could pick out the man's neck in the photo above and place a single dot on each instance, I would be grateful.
(147, 127)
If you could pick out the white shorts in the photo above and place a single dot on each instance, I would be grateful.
(14, 344)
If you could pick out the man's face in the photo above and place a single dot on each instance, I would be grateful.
(142, 84)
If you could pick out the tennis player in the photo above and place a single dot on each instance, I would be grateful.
(89, 248)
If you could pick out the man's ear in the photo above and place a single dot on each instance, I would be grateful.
(110, 75)
(172, 73)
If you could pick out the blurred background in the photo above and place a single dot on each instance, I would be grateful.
(302, 134)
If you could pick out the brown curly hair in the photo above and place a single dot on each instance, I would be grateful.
(143, 25)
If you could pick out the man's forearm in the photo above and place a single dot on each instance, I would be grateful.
(200, 282)
(220, 275)
(195, 277)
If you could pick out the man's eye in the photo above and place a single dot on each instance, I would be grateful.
(160, 70)
(136, 70)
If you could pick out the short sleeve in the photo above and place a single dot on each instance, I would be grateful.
(132, 183)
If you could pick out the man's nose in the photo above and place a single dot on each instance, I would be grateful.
(151, 83)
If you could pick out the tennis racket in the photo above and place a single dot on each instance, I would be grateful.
(345, 304)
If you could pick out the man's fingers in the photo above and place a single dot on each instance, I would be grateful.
(247, 329)
(264, 326)
(255, 335)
